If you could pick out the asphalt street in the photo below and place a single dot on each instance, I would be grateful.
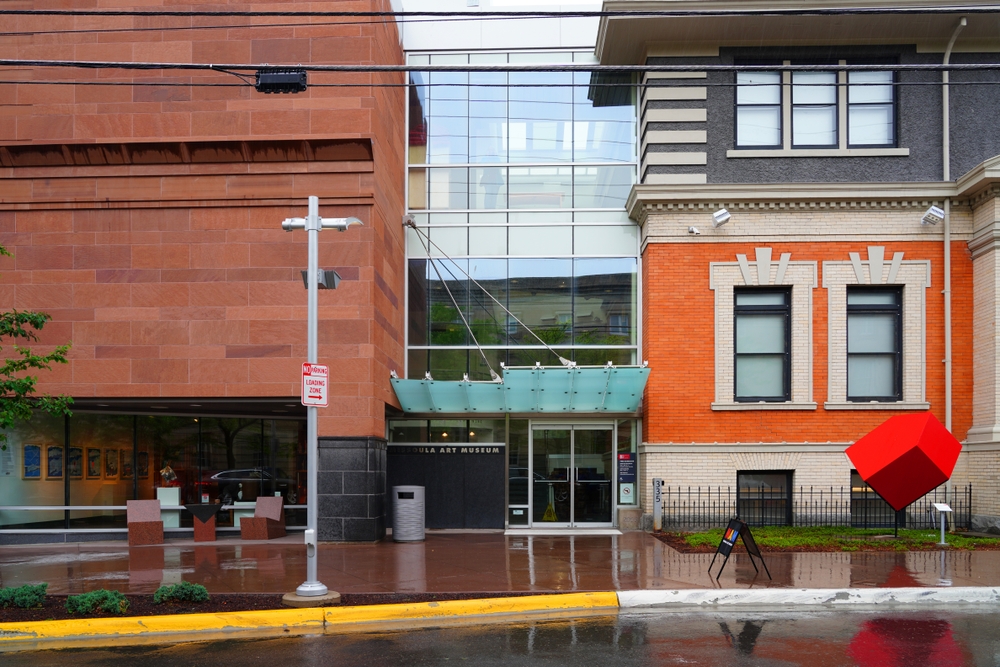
(818, 639)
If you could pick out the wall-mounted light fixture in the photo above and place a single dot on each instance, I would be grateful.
(720, 217)
(933, 216)
(280, 81)
(693, 230)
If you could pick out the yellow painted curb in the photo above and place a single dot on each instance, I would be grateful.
(316, 619)
(458, 608)
(176, 623)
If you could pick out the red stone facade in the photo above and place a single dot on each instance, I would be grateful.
(146, 219)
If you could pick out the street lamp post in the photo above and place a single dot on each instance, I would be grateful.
(313, 224)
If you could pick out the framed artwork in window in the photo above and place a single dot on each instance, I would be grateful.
(142, 465)
(110, 464)
(74, 463)
(54, 462)
(125, 465)
(32, 462)
(93, 463)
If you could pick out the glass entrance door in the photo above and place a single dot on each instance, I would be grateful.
(572, 475)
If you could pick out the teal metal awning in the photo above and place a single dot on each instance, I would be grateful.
(539, 389)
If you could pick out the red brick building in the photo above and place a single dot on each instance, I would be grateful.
(143, 209)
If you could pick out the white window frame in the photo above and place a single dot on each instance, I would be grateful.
(764, 271)
(915, 278)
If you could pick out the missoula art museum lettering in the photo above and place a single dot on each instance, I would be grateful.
(420, 449)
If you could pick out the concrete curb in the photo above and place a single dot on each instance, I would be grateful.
(296, 620)
(810, 597)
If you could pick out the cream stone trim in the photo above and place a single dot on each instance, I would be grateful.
(673, 75)
(877, 406)
(675, 115)
(741, 447)
(915, 277)
(675, 137)
(674, 179)
(819, 152)
(676, 158)
(763, 405)
(674, 93)
(764, 270)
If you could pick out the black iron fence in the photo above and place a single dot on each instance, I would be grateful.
(699, 507)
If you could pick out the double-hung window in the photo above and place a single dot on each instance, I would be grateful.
(762, 323)
(815, 110)
(758, 109)
(871, 109)
(874, 344)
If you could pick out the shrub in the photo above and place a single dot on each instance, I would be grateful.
(25, 597)
(111, 602)
(182, 592)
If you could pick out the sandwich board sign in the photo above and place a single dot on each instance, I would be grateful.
(315, 385)
(737, 529)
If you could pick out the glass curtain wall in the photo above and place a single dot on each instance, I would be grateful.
(96, 461)
(519, 180)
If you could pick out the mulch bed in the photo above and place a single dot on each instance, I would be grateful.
(54, 607)
(676, 540)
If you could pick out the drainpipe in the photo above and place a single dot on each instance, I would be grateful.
(946, 176)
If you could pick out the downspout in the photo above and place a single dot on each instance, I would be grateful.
(946, 176)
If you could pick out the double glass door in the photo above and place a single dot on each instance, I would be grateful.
(572, 475)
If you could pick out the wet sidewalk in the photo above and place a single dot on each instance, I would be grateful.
(476, 562)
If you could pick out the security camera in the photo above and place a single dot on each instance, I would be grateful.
(693, 230)
(721, 217)
(933, 216)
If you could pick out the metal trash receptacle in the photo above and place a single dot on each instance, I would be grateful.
(408, 513)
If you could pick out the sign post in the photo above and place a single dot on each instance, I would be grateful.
(657, 505)
(318, 396)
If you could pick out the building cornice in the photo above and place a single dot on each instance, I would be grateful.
(646, 199)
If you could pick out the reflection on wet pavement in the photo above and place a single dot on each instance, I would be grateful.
(473, 562)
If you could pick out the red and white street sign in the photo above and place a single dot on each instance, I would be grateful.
(315, 385)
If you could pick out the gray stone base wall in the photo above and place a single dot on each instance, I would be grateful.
(351, 489)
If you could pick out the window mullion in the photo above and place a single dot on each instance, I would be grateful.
(786, 108)
(842, 107)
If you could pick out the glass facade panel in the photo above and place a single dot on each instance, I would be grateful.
(111, 459)
(604, 291)
(500, 166)
(602, 187)
(540, 296)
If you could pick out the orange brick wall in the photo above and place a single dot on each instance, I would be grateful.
(176, 279)
(678, 333)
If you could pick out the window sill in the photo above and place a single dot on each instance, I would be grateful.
(763, 405)
(821, 152)
(874, 405)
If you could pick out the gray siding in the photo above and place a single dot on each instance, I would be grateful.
(975, 111)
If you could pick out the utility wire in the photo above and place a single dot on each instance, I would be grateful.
(509, 67)
(679, 13)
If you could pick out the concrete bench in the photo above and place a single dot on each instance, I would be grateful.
(144, 524)
(267, 522)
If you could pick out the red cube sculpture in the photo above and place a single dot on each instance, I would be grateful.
(905, 457)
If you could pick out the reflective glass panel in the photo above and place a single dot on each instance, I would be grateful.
(408, 430)
(602, 187)
(871, 375)
(448, 188)
(760, 299)
(487, 116)
(487, 316)
(871, 332)
(814, 88)
(551, 459)
(603, 121)
(758, 88)
(540, 187)
(814, 126)
(418, 111)
(604, 301)
(870, 125)
(418, 302)
(448, 125)
(760, 334)
(867, 297)
(488, 187)
(869, 87)
(448, 290)
(449, 364)
(28, 466)
(540, 125)
(760, 375)
(758, 126)
(540, 295)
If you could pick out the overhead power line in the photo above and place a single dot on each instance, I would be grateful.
(827, 11)
(511, 68)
